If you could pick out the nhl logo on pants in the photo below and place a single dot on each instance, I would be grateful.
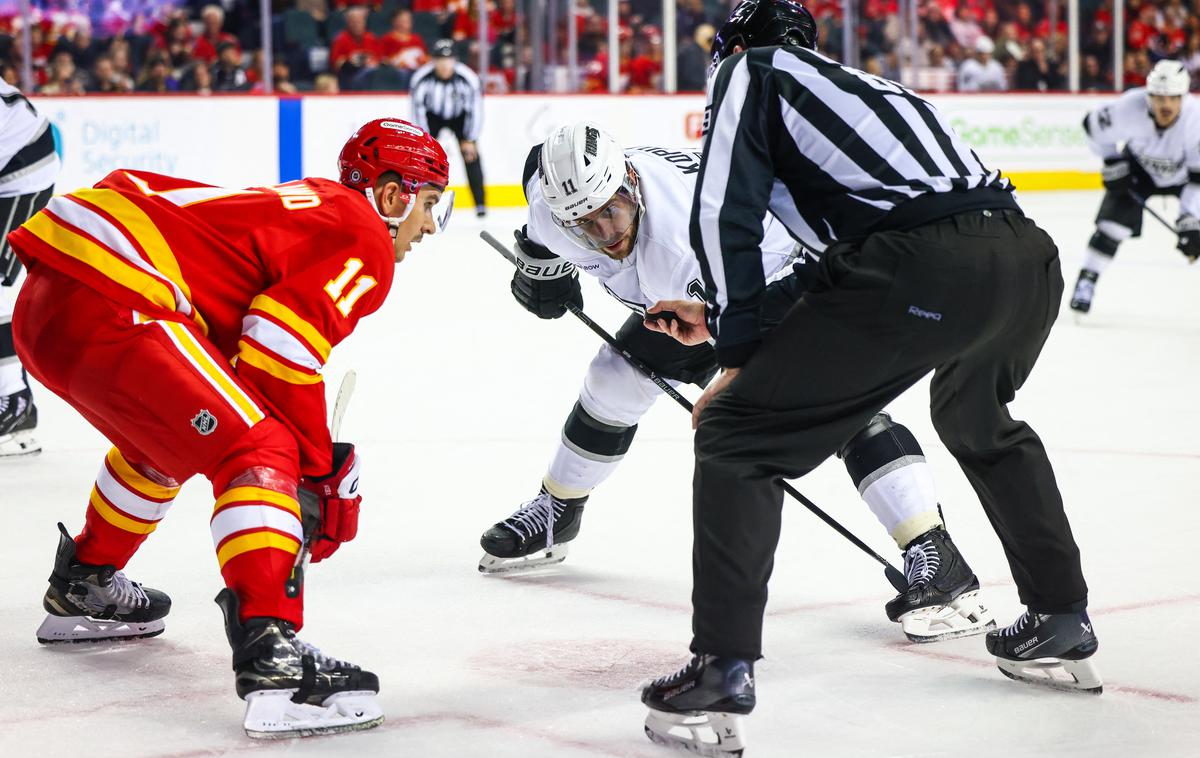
(204, 422)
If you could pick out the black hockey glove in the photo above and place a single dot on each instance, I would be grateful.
(544, 283)
(1188, 229)
(1118, 176)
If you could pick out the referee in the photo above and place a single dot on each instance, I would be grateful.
(447, 94)
(29, 164)
(928, 264)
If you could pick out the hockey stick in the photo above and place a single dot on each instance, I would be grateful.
(294, 582)
(894, 576)
(1157, 216)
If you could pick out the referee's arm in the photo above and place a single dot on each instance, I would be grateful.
(732, 195)
(474, 118)
(417, 87)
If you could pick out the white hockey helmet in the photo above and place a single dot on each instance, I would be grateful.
(583, 170)
(1168, 78)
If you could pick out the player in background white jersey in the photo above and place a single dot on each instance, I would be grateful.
(29, 164)
(1149, 139)
(622, 216)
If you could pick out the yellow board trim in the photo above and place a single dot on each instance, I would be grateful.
(133, 479)
(513, 195)
(117, 519)
(285, 314)
(142, 229)
(248, 494)
(232, 392)
(106, 262)
(256, 541)
(247, 353)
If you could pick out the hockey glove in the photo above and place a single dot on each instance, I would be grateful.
(1188, 229)
(338, 499)
(544, 283)
(1118, 176)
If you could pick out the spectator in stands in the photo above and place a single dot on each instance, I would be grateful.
(645, 66)
(1143, 29)
(938, 75)
(207, 48)
(197, 80)
(77, 40)
(106, 79)
(690, 15)
(156, 74)
(177, 41)
(400, 47)
(1038, 72)
(1024, 23)
(1191, 59)
(118, 51)
(227, 73)
(325, 84)
(965, 26)
(1099, 43)
(1091, 77)
(694, 55)
(982, 73)
(10, 75)
(354, 49)
(933, 23)
(61, 78)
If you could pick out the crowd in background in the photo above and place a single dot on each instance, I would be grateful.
(205, 46)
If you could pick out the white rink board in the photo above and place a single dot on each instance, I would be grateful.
(226, 141)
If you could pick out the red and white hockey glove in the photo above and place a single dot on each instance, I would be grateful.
(338, 496)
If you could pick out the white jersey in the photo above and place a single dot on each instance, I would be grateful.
(662, 265)
(22, 128)
(1171, 156)
(974, 76)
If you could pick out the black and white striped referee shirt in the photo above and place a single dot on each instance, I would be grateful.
(834, 153)
(448, 99)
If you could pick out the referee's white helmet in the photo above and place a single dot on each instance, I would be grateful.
(582, 167)
(1168, 78)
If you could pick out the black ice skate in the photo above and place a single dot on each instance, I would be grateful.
(291, 688)
(942, 600)
(18, 419)
(524, 541)
(1085, 290)
(97, 603)
(1053, 650)
(709, 692)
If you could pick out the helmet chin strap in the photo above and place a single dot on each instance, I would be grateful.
(393, 222)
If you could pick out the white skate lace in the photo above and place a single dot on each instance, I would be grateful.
(1018, 625)
(682, 670)
(921, 563)
(323, 660)
(121, 592)
(1084, 290)
(536, 515)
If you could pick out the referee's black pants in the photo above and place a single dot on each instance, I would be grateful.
(971, 297)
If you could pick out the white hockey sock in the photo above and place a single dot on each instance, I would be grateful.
(11, 378)
(1096, 261)
(573, 475)
(904, 500)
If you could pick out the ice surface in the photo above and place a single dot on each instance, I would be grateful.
(461, 396)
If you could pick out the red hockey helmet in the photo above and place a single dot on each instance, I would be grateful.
(393, 144)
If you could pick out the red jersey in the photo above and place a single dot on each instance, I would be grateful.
(273, 276)
(346, 46)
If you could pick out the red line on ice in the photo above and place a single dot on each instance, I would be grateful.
(922, 650)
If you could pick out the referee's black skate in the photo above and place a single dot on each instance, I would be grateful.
(525, 540)
(699, 707)
(18, 419)
(88, 603)
(942, 600)
(291, 688)
(1050, 649)
(1085, 290)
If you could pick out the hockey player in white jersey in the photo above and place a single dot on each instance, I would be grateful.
(622, 216)
(1149, 141)
(29, 164)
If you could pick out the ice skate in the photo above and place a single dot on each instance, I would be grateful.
(524, 541)
(1052, 650)
(1085, 290)
(97, 603)
(18, 419)
(291, 688)
(942, 600)
(699, 707)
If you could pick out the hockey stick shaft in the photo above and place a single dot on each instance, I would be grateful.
(1157, 216)
(893, 575)
(295, 581)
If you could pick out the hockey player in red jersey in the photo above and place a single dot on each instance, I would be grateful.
(189, 323)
